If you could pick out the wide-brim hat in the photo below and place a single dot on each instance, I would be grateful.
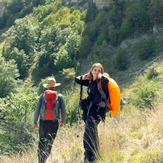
(51, 82)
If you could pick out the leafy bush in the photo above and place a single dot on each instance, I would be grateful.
(85, 47)
(91, 31)
(146, 48)
(155, 11)
(136, 15)
(8, 75)
(21, 60)
(146, 94)
(16, 125)
(121, 61)
(113, 35)
(152, 74)
(58, 49)
(101, 37)
(22, 36)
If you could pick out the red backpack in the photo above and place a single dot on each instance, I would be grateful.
(49, 107)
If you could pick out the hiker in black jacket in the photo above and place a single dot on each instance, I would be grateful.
(93, 110)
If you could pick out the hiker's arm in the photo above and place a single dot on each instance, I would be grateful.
(63, 109)
(37, 111)
(83, 82)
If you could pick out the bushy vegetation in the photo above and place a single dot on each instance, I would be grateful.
(146, 48)
(121, 59)
(50, 39)
(147, 92)
(16, 121)
(8, 75)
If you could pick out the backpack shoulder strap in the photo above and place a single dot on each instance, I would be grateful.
(101, 90)
(45, 100)
(99, 86)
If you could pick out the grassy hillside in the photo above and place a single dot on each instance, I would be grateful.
(137, 139)
(64, 41)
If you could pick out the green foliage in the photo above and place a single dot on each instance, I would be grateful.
(91, 11)
(146, 94)
(41, 12)
(155, 11)
(113, 35)
(21, 60)
(152, 74)
(3, 20)
(101, 37)
(136, 15)
(100, 19)
(85, 46)
(121, 61)
(16, 123)
(72, 108)
(146, 48)
(63, 60)
(22, 36)
(91, 31)
(8, 75)
(69, 73)
(58, 49)
(26, 10)
(116, 13)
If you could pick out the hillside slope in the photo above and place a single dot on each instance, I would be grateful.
(137, 139)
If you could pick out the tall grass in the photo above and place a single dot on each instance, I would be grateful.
(137, 139)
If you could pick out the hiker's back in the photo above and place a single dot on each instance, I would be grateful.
(49, 107)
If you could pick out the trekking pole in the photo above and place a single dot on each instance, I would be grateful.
(81, 90)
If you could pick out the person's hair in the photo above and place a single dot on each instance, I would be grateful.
(90, 76)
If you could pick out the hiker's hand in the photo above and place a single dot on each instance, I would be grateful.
(61, 124)
(99, 76)
(35, 127)
(85, 76)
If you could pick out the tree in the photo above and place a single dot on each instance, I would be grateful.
(137, 17)
(121, 61)
(22, 36)
(155, 12)
(8, 75)
(21, 60)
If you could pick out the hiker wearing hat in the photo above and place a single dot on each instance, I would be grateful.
(49, 106)
(93, 113)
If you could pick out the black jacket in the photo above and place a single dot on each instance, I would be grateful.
(94, 95)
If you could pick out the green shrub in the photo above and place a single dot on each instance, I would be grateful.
(85, 47)
(121, 61)
(8, 75)
(146, 94)
(21, 60)
(101, 37)
(152, 74)
(16, 125)
(146, 48)
(113, 35)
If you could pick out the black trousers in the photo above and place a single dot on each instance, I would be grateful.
(91, 139)
(47, 133)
